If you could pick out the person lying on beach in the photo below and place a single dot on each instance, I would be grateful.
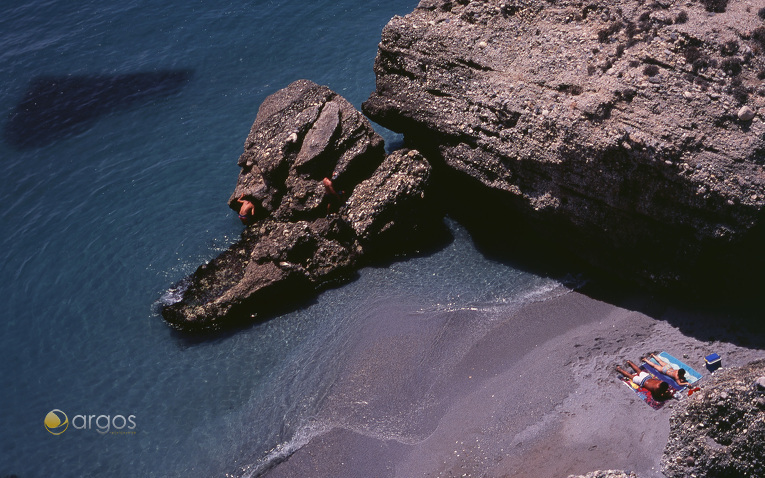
(659, 389)
(247, 211)
(678, 375)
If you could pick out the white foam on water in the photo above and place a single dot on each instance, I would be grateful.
(548, 289)
(174, 294)
(284, 450)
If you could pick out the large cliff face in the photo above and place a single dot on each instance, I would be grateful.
(626, 128)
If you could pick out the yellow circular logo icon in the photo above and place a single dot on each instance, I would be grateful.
(56, 422)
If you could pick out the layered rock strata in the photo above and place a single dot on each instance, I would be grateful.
(301, 237)
(630, 129)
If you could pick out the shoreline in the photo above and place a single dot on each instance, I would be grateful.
(537, 395)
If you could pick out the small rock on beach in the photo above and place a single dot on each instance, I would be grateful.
(746, 113)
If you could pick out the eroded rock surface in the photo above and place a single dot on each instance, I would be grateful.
(717, 432)
(302, 238)
(721, 430)
(631, 129)
(607, 474)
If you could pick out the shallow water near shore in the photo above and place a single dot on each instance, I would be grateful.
(100, 221)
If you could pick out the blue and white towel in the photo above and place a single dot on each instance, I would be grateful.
(691, 375)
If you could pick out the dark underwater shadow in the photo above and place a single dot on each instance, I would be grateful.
(57, 107)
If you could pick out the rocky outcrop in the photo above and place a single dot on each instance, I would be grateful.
(630, 129)
(627, 133)
(720, 431)
(607, 474)
(301, 237)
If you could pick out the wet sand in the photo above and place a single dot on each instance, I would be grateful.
(534, 393)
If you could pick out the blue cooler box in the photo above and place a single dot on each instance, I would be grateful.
(713, 361)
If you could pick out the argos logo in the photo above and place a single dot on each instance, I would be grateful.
(57, 422)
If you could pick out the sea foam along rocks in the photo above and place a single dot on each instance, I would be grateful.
(300, 241)
(548, 107)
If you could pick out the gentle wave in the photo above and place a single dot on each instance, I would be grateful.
(550, 290)
(283, 451)
(410, 424)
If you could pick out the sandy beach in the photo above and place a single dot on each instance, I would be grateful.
(533, 394)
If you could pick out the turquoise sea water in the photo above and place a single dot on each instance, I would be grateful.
(95, 225)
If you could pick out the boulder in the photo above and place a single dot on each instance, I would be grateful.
(720, 430)
(302, 134)
(301, 238)
(390, 198)
(610, 128)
